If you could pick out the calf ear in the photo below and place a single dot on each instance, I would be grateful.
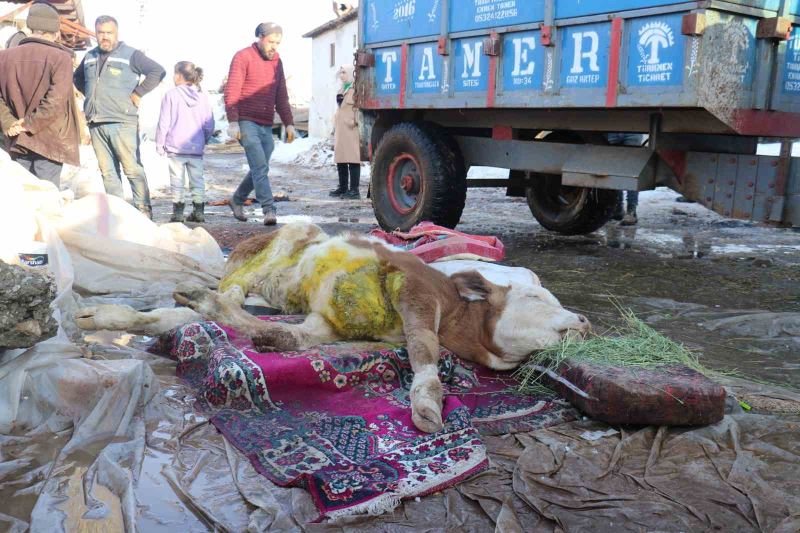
(471, 286)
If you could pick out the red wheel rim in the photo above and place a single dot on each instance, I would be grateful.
(404, 183)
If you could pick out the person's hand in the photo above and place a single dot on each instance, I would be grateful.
(291, 134)
(233, 131)
(161, 151)
(16, 128)
(135, 98)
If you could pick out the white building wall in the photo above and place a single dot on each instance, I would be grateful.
(324, 82)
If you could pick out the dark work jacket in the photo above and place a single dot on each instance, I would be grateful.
(36, 84)
(109, 86)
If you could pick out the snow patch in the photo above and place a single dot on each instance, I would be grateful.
(300, 148)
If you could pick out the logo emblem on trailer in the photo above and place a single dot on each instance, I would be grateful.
(653, 37)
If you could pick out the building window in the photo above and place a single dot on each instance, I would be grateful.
(333, 54)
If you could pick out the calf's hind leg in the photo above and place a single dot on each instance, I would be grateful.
(126, 318)
(267, 336)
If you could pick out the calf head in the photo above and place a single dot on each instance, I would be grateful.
(524, 318)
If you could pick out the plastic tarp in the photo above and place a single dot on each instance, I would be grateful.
(100, 436)
(72, 427)
(114, 254)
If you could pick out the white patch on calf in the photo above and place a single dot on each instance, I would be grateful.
(533, 319)
(504, 276)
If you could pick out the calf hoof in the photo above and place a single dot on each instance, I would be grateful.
(199, 298)
(110, 317)
(426, 407)
(427, 415)
(275, 341)
(235, 295)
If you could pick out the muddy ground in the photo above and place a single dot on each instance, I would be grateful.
(726, 288)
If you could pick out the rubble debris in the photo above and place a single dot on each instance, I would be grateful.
(25, 315)
(318, 156)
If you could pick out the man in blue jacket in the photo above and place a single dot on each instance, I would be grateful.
(110, 77)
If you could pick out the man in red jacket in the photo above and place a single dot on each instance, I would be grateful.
(256, 88)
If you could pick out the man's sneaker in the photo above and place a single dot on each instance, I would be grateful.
(352, 194)
(337, 193)
(270, 218)
(630, 219)
(238, 211)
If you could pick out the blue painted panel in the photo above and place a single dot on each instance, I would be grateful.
(747, 57)
(523, 61)
(581, 8)
(389, 20)
(584, 60)
(387, 70)
(468, 15)
(791, 66)
(471, 65)
(655, 51)
(427, 75)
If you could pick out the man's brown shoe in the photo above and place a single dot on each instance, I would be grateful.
(238, 211)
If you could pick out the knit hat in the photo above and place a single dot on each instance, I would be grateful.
(44, 17)
(268, 28)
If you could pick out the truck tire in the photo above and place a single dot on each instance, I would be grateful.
(417, 175)
(569, 210)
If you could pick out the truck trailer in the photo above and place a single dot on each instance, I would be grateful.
(535, 86)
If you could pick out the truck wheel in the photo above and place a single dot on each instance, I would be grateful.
(569, 210)
(417, 176)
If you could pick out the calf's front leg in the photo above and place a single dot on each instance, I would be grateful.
(422, 343)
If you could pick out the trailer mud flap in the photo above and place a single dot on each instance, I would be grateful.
(606, 167)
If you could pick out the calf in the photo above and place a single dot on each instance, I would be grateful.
(359, 288)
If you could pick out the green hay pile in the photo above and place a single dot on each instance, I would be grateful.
(634, 344)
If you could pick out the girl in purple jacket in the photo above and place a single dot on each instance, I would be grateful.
(185, 126)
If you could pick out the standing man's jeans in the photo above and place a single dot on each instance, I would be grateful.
(41, 167)
(258, 146)
(628, 139)
(117, 144)
(192, 167)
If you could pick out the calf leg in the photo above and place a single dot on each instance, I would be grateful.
(314, 330)
(126, 318)
(422, 342)
(267, 336)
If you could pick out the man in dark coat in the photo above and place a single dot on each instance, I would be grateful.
(37, 110)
